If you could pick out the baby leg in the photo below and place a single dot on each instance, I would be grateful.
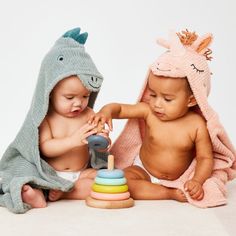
(81, 188)
(141, 187)
(33, 197)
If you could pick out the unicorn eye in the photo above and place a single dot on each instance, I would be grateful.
(195, 68)
(60, 58)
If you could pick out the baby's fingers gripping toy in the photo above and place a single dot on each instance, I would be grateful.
(99, 141)
(110, 190)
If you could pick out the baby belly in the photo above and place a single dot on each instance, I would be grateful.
(166, 167)
(70, 161)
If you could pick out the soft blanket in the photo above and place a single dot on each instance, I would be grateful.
(21, 162)
(185, 57)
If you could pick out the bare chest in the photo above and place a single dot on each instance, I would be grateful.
(65, 127)
(171, 135)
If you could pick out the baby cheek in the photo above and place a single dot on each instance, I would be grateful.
(171, 107)
(67, 105)
(86, 102)
(151, 105)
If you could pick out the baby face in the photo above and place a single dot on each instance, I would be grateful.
(170, 98)
(69, 97)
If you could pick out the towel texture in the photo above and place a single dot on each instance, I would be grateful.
(183, 59)
(21, 163)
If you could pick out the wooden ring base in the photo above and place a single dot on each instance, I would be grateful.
(109, 204)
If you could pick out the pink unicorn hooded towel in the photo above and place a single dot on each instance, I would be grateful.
(189, 60)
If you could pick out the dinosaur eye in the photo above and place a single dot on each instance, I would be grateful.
(197, 70)
(94, 79)
(60, 58)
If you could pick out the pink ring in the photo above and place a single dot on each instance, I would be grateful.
(110, 196)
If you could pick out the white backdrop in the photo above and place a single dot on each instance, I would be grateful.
(121, 41)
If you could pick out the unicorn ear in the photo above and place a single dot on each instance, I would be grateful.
(202, 43)
(163, 43)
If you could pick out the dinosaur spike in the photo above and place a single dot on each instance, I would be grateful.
(75, 34)
(70, 33)
(82, 38)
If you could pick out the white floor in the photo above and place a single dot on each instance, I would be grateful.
(162, 218)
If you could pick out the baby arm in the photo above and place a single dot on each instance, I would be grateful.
(204, 165)
(53, 147)
(119, 111)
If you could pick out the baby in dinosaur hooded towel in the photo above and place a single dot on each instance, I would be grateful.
(185, 57)
(21, 163)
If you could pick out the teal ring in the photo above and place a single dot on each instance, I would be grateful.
(110, 174)
(105, 181)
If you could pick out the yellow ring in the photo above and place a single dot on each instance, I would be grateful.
(110, 189)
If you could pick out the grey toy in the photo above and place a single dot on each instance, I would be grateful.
(97, 142)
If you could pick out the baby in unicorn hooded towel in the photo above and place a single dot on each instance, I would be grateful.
(173, 146)
(50, 152)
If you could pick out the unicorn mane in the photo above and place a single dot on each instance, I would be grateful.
(191, 40)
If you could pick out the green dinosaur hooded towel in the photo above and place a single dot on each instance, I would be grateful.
(21, 162)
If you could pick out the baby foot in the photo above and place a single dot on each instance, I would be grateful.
(33, 197)
(178, 195)
(55, 195)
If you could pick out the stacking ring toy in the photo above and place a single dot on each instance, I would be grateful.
(105, 181)
(110, 196)
(110, 174)
(97, 142)
(109, 188)
(109, 204)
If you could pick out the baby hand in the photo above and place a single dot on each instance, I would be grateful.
(195, 190)
(79, 137)
(100, 119)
